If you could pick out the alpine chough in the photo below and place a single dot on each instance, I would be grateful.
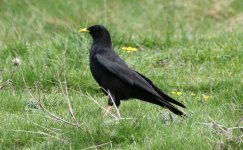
(122, 82)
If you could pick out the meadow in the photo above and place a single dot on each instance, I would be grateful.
(192, 50)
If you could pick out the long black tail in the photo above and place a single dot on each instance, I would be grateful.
(169, 106)
(163, 95)
(165, 100)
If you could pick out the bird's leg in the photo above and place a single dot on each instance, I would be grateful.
(108, 110)
(115, 102)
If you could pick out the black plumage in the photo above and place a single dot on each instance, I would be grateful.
(114, 75)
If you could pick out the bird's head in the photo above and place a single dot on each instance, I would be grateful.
(99, 33)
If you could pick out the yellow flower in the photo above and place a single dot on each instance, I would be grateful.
(192, 94)
(173, 92)
(205, 97)
(178, 93)
(129, 49)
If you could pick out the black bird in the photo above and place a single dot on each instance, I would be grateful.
(114, 75)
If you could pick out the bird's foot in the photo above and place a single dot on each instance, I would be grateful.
(107, 111)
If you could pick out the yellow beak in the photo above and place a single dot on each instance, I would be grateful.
(84, 30)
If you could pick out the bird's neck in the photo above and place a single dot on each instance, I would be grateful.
(104, 41)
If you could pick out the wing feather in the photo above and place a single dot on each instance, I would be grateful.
(123, 72)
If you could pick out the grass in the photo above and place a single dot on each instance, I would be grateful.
(189, 47)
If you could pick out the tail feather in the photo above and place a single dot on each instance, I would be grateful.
(169, 106)
(163, 95)
(169, 99)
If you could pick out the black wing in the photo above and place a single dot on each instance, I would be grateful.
(124, 73)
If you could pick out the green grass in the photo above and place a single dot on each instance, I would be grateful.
(190, 46)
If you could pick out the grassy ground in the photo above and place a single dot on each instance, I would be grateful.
(192, 47)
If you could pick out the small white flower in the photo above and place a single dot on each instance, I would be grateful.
(16, 61)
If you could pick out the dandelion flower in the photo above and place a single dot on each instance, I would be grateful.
(129, 49)
(192, 94)
(173, 92)
(178, 93)
(205, 97)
